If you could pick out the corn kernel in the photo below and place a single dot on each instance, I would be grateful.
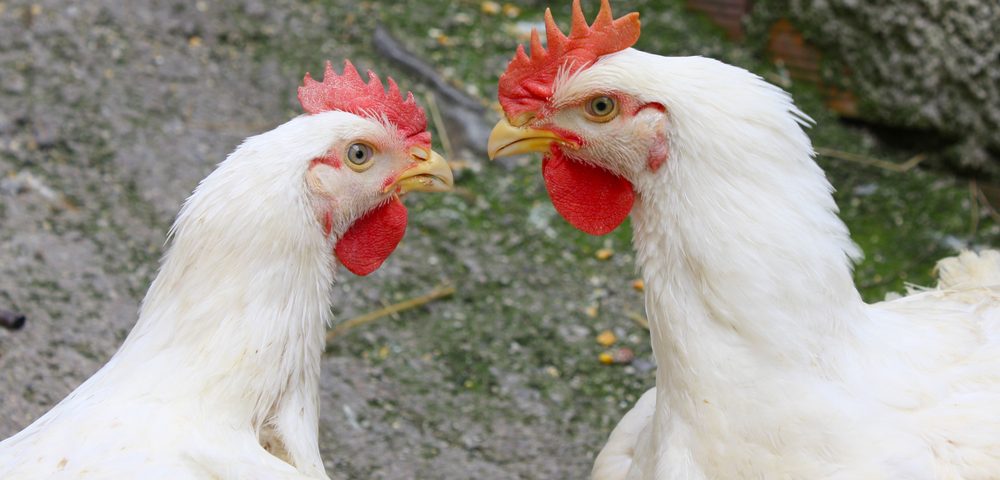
(606, 338)
(490, 8)
(606, 358)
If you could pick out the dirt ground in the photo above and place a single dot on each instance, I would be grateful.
(111, 112)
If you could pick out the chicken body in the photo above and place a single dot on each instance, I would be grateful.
(765, 372)
(219, 377)
(229, 337)
(769, 364)
(912, 394)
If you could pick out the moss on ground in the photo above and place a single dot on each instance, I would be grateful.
(521, 311)
(512, 354)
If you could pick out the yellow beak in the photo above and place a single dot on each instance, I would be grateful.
(429, 173)
(506, 140)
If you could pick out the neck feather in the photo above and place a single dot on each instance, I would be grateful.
(745, 259)
(236, 315)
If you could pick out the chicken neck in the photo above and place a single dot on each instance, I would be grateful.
(747, 267)
(232, 329)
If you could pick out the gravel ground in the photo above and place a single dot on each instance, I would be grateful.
(109, 118)
(110, 113)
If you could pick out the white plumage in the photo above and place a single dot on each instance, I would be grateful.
(769, 364)
(219, 377)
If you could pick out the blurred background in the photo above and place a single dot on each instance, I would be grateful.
(110, 113)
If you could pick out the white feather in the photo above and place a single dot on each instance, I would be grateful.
(769, 363)
(224, 359)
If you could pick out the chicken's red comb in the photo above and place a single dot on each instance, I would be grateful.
(527, 84)
(349, 93)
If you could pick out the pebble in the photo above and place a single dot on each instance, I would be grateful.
(606, 338)
(11, 320)
(490, 8)
(618, 356)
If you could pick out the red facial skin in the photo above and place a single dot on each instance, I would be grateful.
(527, 84)
(391, 179)
(370, 240)
(591, 198)
(373, 237)
(327, 223)
(330, 159)
(658, 153)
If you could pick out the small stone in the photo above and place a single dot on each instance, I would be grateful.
(642, 365)
(11, 320)
(46, 134)
(606, 338)
(604, 254)
(15, 83)
(591, 311)
(490, 8)
(552, 371)
(623, 356)
(606, 358)
(619, 356)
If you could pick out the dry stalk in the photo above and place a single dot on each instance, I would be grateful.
(874, 162)
(340, 329)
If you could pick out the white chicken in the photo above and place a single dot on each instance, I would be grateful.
(219, 377)
(769, 364)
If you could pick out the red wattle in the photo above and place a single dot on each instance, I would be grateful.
(590, 198)
(372, 238)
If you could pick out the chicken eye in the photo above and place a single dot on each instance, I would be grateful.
(359, 156)
(601, 109)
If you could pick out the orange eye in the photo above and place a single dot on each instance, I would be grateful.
(601, 109)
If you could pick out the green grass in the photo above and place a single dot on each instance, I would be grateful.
(514, 346)
(904, 222)
(525, 277)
